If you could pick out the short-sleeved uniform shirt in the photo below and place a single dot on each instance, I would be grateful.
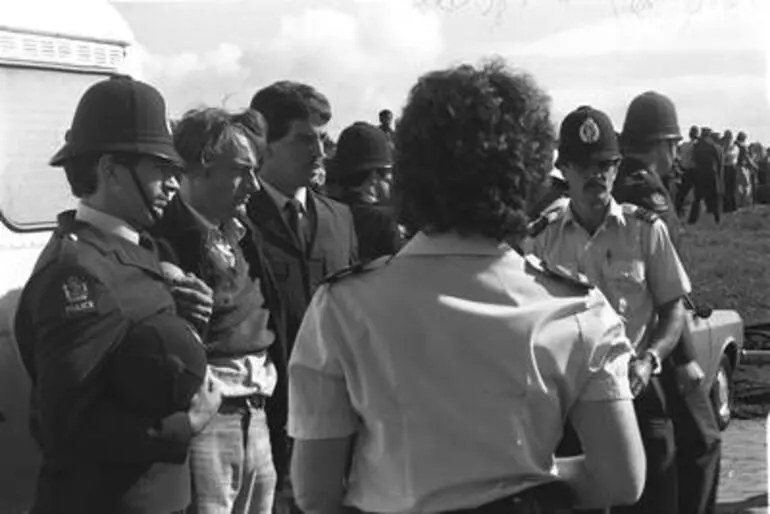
(454, 363)
(630, 258)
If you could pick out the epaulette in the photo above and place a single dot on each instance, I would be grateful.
(645, 215)
(536, 226)
(560, 273)
(357, 269)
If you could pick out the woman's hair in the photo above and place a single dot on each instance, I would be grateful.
(471, 143)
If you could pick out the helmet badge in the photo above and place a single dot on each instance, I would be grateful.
(589, 131)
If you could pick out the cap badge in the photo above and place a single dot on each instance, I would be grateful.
(589, 131)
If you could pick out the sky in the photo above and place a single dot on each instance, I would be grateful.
(710, 56)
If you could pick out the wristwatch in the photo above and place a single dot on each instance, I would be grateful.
(657, 365)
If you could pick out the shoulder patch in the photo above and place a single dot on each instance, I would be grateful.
(357, 269)
(559, 273)
(78, 296)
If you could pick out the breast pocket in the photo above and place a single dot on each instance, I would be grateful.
(627, 284)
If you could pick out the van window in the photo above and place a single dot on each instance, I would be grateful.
(36, 109)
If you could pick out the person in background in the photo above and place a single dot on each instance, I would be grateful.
(380, 420)
(709, 177)
(119, 384)
(306, 236)
(205, 232)
(649, 136)
(744, 188)
(626, 252)
(386, 125)
(687, 165)
(362, 171)
(731, 152)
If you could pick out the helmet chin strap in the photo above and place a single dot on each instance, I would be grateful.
(143, 194)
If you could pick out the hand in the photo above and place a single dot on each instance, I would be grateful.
(205, 404)
(689, 377)
(639, 374)
(194, 299)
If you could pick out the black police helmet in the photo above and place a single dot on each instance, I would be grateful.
(651, 116)
(587, 134)
(158, 366)
(360, 147)
(119, 114)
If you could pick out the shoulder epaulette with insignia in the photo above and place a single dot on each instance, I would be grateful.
(559, 273)
(645, 215)
(536, 226)
(357, 269)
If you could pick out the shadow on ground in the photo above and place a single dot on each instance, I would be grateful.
(754, 504)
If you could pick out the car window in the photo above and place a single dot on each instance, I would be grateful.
(36, 109)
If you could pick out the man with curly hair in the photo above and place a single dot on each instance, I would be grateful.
(453, 364)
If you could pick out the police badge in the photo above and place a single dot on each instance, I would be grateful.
(77, 299)
(589, 131)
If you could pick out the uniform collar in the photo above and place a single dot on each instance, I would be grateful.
(450, 243)
(281, 199)
(614, 213)
(106, 223)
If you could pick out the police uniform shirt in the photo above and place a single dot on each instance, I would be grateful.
(630, 258)
(455, 365)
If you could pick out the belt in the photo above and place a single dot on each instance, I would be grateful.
(243, 403)
(550, 498)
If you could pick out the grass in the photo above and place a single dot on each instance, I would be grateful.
(728, 268)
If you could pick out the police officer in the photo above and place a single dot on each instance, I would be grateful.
(361, 169)
(650, 132)
(119, 387)
(453, 364)
(626, 252)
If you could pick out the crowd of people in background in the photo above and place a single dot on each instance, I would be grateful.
(722, 170)
(244, 316)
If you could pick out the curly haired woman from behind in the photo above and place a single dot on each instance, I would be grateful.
(439, 380)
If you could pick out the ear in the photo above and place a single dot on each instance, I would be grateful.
(108, 171)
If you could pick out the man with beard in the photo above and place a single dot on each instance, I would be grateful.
(208, 235)
(306, 235)
(650, 133)
(626, 252)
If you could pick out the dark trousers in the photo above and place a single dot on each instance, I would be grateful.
(698, 448)
(730, 185)
(657, 430)
(705, 189)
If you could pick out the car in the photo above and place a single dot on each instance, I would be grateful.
(718, 337)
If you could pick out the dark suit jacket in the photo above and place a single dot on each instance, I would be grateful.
(332, 246)
(181, 241)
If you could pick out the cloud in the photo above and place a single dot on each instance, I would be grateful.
(689, 25)
(364, 57)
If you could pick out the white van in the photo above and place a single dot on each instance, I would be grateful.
(51, 51)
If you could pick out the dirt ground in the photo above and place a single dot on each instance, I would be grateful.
(743, 483)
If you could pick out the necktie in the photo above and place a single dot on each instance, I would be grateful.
(293, 210)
